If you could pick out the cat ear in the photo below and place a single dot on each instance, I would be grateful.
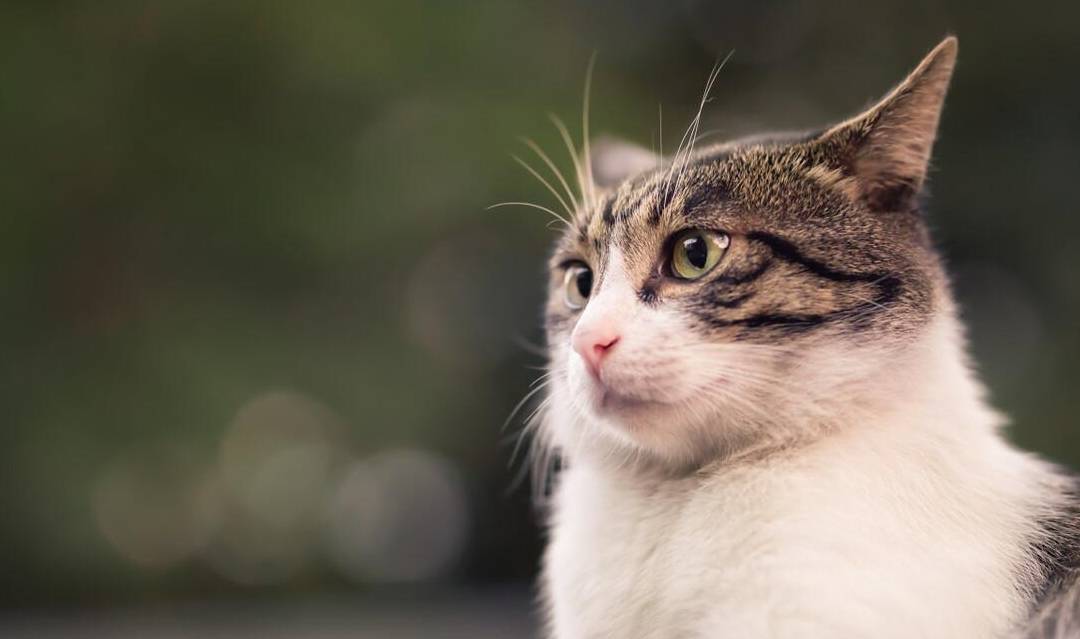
(887, 148)
(613, 161)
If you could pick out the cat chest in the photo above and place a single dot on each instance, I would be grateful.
(617, 565)
(647, 564)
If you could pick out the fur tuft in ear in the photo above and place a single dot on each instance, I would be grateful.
(887, 148)
(613, 161)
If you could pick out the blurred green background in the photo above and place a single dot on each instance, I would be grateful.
(260, 333)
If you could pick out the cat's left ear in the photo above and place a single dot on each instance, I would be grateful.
(886, 149)
(613, 161)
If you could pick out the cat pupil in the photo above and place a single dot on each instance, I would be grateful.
(697, 253)
(584, 282)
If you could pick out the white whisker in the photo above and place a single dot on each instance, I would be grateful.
(585, 145)
(564, 133)
(523, 401)
(554, 169)
(660, 108)
(536, 174)
(534, 206)
(683, 152)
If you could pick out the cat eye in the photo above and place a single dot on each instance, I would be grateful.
(577, 284)
(695, 252)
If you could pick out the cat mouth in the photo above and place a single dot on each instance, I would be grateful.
(620, 397)
(607, 401)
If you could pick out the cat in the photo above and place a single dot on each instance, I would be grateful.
(761, 398)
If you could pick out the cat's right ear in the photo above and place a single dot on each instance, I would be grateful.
(883, 153)
(613, 161)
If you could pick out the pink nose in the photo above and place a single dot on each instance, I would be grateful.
(593, 346)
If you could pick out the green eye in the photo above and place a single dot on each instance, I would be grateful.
(577, 285)
(694, 253)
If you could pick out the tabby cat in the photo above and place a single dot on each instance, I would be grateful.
(760, 392)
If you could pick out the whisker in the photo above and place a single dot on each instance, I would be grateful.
(864, 300)
(543, 377)
(530, 347)
(728, 398)
(536, 174)
(683, 142)
(564, 133)
(534, 206)
(522, 403)
(585, 129)
(660, 108)
(530, 425)
(710, 133)
(551, 165)
(681, 158)
(696, 124)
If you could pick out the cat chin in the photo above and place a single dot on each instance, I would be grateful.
(605, 402)
(660, 430)
(660, 425)
(647, 424)
(616, 406)
(641, 421)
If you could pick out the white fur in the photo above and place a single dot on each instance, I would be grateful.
(880, 502)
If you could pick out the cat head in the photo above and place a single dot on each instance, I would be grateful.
(734, 296)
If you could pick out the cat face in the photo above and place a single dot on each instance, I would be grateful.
(733, 297)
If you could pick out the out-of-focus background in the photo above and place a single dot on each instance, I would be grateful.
(260, 333)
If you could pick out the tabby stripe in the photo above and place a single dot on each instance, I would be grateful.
(606, 214)
(798, 322)
(889, 289)
(786, 251)
(888, 285)
(734, 302)
(743, 278)
(666, 196)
